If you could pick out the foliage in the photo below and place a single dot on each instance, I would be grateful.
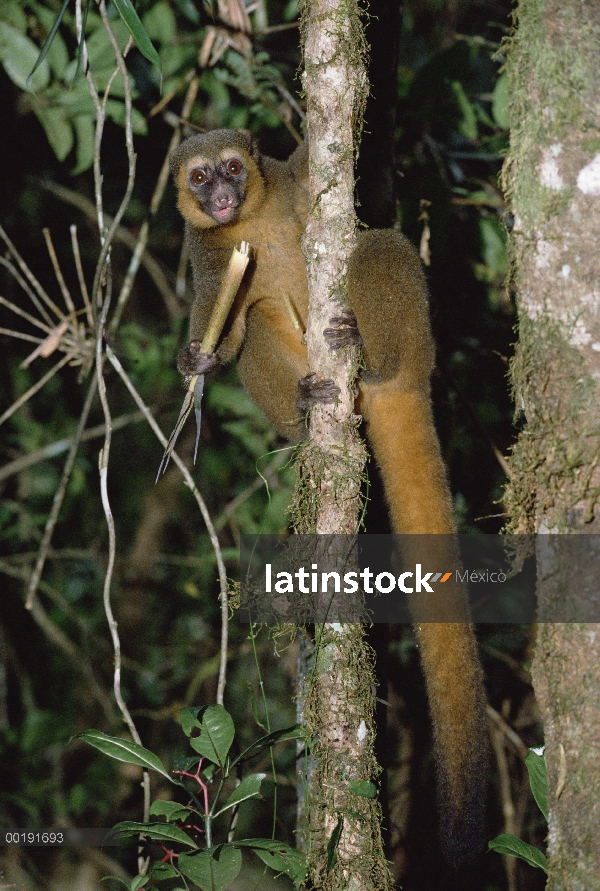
(210, 731)
(510, 844)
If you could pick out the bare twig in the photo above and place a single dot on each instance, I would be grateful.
(203, 510)
(81, 277)
(59, 496)
(103, 275)
(34, 389)
(37, 288)
(157, 196)
(61, 445)
(57, 271)
(122, 234)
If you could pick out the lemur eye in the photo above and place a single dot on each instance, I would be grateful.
(198, 177)
(234, 167)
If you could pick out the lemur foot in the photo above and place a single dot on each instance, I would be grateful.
(192, 361)
(343, 331)
(314, 390)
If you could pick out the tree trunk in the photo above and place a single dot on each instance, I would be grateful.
(553, 182)
(345, 849)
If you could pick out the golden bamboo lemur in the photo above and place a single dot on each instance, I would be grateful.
(229, 192)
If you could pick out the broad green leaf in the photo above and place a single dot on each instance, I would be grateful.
(216, 735)
(265, 742)
(500, 102)
(136, 29)
(364, 788)
(115, 879)
(510, 844)
(279, 857)
(100, 52)
(124, 750)
(139, 882)
(116, 112)
(19, 54)
(57, 127)
(12, 13)
(84, 150)
(536, 768)
(162, 832)
(212, 870)
(163, 871)
(248, 788)
(171, 810)
(190, 719)
(160, 23)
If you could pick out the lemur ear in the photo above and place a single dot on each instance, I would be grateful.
(253, 148)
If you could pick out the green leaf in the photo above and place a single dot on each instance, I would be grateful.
(332, 844)
(19, 55)
(85, 133)
(500, 102)
(139, 882)
(124, 750)
(189, 10)
(265, 742)
(190, 719)
(162, 832)
(216, 735)
(248, 788)
(48, 43)
(171, 810)
(57, 52)
(116, 112)
(279, 857)
(468, 124)
(536, 768)
(159, 22)
(510, 844)
(212, 870)
(137, 30)
(363, 788)
(161, 871)
(57, 127)
(11, 12)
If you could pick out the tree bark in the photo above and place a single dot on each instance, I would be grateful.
(345, 849)
(553, 182)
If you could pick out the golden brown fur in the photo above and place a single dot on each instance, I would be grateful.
(388, 294)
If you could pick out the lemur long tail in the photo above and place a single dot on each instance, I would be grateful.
(407, 451)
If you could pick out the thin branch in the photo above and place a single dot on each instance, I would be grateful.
(82, 285)
(59, 497)
(61, 445)
(25, 315)
(122, 234)
(58, 272)
(102, 267)
(155, 201)
(203, 510)
(20, 335)
(31, 279)
(34, 389)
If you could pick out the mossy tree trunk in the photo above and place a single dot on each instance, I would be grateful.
(344, 843)
(553, 182)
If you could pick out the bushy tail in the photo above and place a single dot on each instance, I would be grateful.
(402, 434)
